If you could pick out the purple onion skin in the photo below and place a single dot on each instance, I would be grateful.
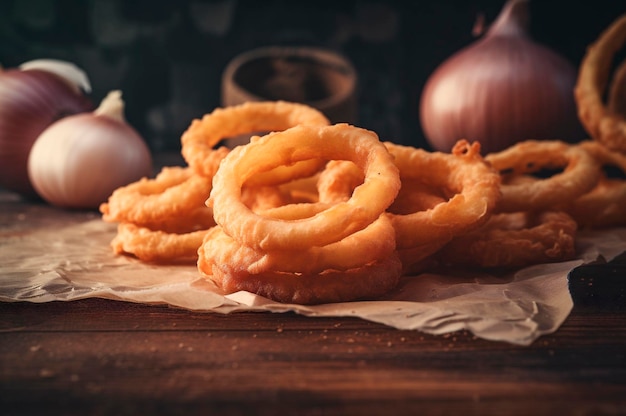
(502, 89)
(29, 102)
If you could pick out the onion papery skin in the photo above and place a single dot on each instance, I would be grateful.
(80, 160)
(30, 101)
(498, 91)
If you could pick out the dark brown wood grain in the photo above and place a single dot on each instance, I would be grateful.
(104, 357)
(108, 357)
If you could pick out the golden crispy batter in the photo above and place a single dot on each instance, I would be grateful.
(157, 246)
(323, 251)
(514, 239)
(200, 139)
(472, 186)
(176, 195)
(579, 174)
(339, 141)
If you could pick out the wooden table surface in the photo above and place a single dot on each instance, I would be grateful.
(107, 357)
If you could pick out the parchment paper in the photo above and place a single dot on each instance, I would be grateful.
(63, 261)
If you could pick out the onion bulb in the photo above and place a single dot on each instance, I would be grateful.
(81, 159)
(501, 89)
(32, 97)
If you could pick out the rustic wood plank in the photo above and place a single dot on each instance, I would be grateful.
(120, 357)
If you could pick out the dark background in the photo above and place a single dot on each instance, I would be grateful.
(167, 56)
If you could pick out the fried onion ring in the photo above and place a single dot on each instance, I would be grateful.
(601, 123)
(200, 139)
(157, 246)
(605, 204)
(515, 239)
(580, 174)
(415, 195)
(310, 252)
(374, 242)
(175, 195)
(617, 91)
(312, 213)
(366, 282)
(338, 180)
(336, 142)
(472, 184)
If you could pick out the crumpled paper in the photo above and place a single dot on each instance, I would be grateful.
(67, 260)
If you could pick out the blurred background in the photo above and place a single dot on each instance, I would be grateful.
(168, 56)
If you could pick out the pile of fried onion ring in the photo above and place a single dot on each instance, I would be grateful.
(164, 219)
(312, 212)
(321, 253)
(604, 121)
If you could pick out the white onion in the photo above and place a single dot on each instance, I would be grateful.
(81, 159)
(501, 89)
(31, 98)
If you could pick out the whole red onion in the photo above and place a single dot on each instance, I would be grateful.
(501, 89)
(32, 98)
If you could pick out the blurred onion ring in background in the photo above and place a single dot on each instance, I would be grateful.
(617, 92)
(602, 124)
(605, 204)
